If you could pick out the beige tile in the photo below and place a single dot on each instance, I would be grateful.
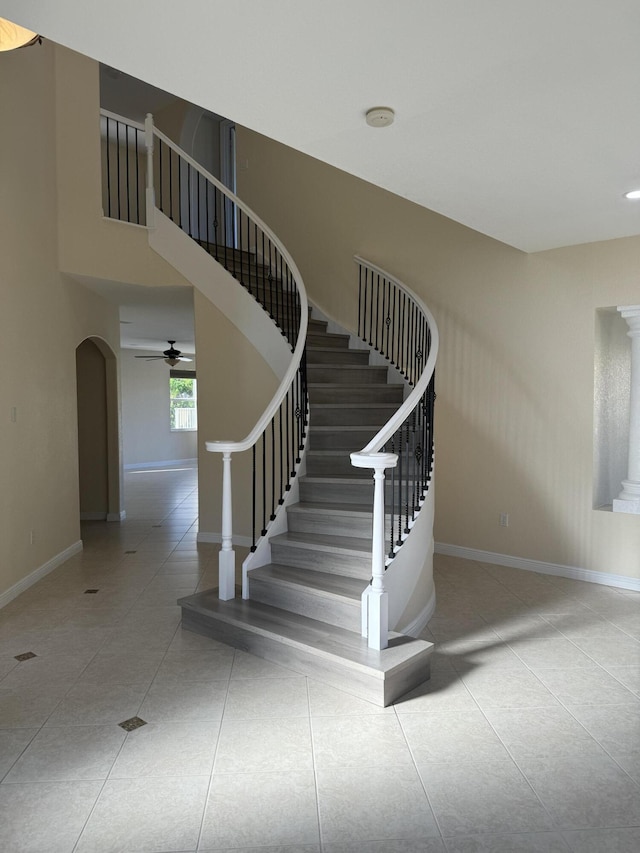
(260, 745)
(146, 814)
(541, 732)
(373, 803)
(184, 701)
(193, 665)
(368, 741)
(437, 736)
(261, 809)
(587, 686)
(507, 689)
(66, 754)
(529, 842)
(254, 698)
(13, 742)
(167, 749)
(488, 797)
(47, 816)
(621, 840)
(582, 791)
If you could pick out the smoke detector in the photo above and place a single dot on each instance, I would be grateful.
(380, 116)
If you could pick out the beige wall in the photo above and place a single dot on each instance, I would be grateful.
(146, 431)
(514, 428)
(89, 244)
(235, 384)
(44, 316)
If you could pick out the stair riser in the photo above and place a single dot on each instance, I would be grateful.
(336, 440)
(308, 662)
(346, 393)
(317, 327)
(332, 523)
(360, 375)
(336, 466)
(347, 493)
(332, 562)
(333, 355)
(326, 340)
(344, 613)
(350, 416)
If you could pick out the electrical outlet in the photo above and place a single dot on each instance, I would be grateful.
(504, 519)
(14, 414)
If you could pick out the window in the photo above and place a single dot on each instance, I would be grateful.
(183, 400)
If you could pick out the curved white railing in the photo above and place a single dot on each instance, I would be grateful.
(225, 227)
(396, 322)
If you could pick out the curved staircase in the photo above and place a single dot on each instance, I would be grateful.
(304, 607)
(326, 575)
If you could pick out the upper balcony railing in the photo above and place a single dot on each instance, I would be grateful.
(141, 162)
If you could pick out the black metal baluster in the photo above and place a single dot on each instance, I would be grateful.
(288, 430)
(360, 300)
(264, 483)
(400, 481)
(394, 322)
(281, 454)
(393, 500)
(371, 314)
(407, 477)
(253, 499)
(138, 217)
(377, 309)
(273, 468)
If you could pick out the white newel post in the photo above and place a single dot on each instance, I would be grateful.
(227, 556)
(150, 192)
(629, 498)
(375, 617)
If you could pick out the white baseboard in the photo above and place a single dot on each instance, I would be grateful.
(573, 572)
(216, 539)
(163, 463)
(117, 516)
(39, 573)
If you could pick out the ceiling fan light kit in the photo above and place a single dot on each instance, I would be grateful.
(170, 356)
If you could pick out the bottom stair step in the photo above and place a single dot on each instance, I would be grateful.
(333, 655)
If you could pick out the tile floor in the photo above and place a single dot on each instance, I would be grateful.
(527, 737)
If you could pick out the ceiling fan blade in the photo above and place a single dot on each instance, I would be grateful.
(149, 357)
(184, 358)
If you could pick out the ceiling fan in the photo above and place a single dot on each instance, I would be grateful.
(172, 356)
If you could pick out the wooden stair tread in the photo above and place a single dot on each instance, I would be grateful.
(335, 645)
(311, 580)
(322, 542)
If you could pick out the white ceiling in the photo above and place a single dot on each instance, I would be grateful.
(149, 316)
(519, 118)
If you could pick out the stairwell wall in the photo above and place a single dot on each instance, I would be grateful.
(44, 316)
(514, 414)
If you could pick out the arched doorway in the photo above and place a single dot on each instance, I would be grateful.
(99, 483)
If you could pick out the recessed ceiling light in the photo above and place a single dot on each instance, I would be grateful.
(380, 117)
(632, 194)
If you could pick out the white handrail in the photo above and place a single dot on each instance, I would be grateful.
(375, 598)
(395, 421)
(287, 379)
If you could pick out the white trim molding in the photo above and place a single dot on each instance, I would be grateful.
(572, 572)
(36, 575)
(164, 463)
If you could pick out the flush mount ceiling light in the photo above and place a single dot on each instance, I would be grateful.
(12, 36)
(380, 116)
(632, 194)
